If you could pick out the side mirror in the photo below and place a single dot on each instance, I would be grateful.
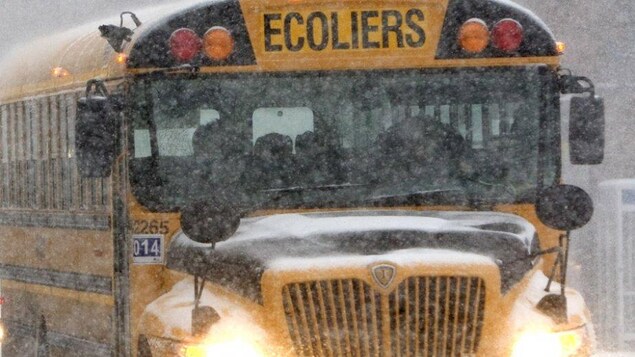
(564, 207)
(554, 306)
(586, 130)
(96, 131)
(203, 317)
(209, 221)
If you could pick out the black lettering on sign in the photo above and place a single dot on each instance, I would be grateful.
(391, 21)
(354, 29)
(152, 226)
(288, 41)
(388, 28)
(310, 29)
(420, 39)
(335, 30)
(269, 31)
(367, 29)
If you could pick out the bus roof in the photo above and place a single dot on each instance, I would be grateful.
(68, 59)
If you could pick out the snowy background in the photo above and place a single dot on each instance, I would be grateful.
(599, 42)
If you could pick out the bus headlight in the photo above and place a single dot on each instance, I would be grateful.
(236, 347)
(550, 344)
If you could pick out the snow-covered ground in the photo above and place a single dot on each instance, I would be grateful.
(615, 354)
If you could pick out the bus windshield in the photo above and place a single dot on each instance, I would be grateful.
(339, 137)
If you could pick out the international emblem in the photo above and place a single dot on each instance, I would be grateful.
(383, 274)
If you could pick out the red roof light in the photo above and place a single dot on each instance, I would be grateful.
(507, 35)
(185, 45)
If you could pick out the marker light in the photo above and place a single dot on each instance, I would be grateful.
(184, 44)
(218, 43)
(474, 35)
(59, 72)
(507, 35)
(550, 344)
(225, 348)
(561, 47)
(121, 58)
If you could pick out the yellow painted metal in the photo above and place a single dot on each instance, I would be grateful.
(28, 71)
(61, 293)
(82, 55)
(274, 283)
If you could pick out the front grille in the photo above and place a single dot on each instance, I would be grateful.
(334, 318)
(423, 316)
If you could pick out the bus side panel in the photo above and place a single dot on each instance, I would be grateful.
(56, 239)
(87, 252)
(58, 280)
(64, 322)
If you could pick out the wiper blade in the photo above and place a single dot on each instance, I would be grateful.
(508, 188)
(438, 196)
(300, 189)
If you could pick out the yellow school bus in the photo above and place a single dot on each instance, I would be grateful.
(294, 178)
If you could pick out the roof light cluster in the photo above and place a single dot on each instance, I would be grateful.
(217, 44)
(506, 35)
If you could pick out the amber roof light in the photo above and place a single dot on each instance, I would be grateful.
(474, 36)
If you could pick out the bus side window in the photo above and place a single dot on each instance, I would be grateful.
(11, 155)
(59, 126)
(78, 180)
(41, 161)
(286, 121)
(172, 141)
(4, 159)
(494, 119)
(208, 116)
(476, 117)
(67, 151)
(21, 157)
(28, 153)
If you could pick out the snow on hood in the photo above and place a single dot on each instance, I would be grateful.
(264, 242)
(319, 224)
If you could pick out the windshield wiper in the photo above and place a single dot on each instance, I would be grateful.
(300, 189)
(427, 197)
(507, 187)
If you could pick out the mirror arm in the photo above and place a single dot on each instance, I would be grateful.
(199, 285)
(570, 84)
(96, 87)
(203, 317)
(561, 261)
(545, 252)
(564, 239)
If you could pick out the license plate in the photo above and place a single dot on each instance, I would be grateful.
(148, 249)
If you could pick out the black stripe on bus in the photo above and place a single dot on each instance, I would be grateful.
(69, 220)
(151, 50)
(79, 346)
(538, 40)
(64, 280)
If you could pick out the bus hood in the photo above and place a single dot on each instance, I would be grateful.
(239, 262)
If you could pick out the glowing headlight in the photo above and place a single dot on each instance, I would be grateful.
(550, 344)
(228, 348)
